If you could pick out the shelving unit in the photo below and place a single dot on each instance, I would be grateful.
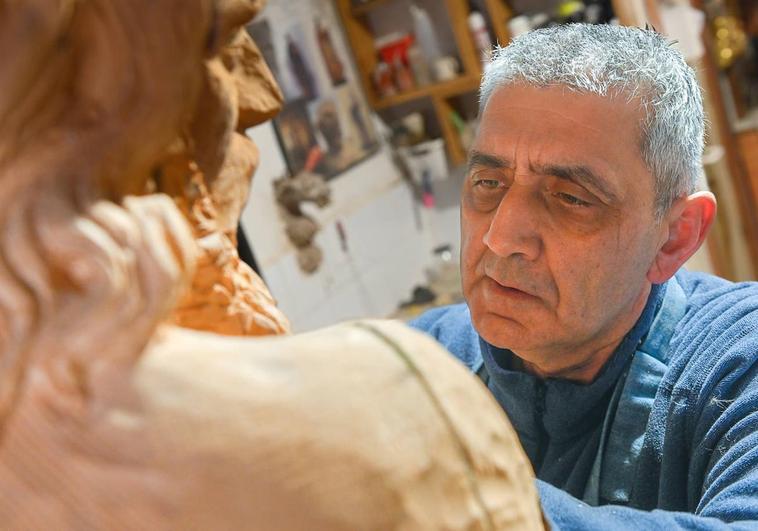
(443, 89)
(364, 8)
(361, 37)
(500, 13)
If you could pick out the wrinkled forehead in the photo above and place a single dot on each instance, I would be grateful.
(518, 102)
(620, 110)
(530, 127)
(635, 95)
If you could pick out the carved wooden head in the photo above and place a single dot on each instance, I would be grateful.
(112, 419)
(96, 98)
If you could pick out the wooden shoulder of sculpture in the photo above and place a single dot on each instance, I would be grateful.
(124, 170)
(372, 404)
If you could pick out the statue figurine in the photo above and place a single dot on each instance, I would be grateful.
(132, 394)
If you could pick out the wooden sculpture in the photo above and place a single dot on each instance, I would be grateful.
(114, 417)
(207, 171)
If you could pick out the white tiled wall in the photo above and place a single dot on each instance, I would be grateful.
(388, 249)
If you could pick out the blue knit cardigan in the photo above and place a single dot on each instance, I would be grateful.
(661, 441)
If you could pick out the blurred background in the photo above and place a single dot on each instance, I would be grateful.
(354, 207)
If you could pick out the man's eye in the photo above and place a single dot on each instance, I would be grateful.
(489, 184)
(572, 200)
(485, 193)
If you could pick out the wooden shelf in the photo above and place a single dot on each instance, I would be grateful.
(362, 9)
(500, 14)
(359, 33)
(443, 89)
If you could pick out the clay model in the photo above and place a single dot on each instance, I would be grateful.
(123, 173)
(207, 170)
(291, 193)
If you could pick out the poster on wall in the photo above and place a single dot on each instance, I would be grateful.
(325, 124)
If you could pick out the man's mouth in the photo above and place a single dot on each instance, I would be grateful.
(507, 289)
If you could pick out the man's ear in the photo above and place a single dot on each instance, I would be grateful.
(686, 227)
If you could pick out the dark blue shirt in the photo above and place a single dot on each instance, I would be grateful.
(666, 440)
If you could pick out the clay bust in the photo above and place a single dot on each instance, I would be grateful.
(112, 416)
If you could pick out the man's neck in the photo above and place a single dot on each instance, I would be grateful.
(583, 371)
(583, 364)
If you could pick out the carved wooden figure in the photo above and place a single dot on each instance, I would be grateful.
(123, 173)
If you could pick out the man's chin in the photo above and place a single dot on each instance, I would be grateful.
(501, 331)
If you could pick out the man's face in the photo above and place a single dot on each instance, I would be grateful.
(557, 222)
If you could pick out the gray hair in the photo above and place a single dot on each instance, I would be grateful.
(610, 60)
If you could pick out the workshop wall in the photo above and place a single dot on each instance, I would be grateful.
(389, 239)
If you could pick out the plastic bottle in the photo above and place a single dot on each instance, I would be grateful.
(481, 37)
(519, 25)
(402, 73)
(425, 35)
(419, 66)
(383, 80)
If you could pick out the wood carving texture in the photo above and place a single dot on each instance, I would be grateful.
(208, 171)
(111, 417)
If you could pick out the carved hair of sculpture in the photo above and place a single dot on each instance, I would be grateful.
(112, 416)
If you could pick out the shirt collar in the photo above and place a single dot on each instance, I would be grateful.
(567, 408)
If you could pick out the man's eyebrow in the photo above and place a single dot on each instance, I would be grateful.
(582, 175)
(477, 158)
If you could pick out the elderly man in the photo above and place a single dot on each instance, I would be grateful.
(632, 384)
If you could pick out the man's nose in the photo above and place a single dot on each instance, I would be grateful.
(513, 229)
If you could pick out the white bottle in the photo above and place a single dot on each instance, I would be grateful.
(522, 24)
(478, 28)
(419, 65)
(426, 37)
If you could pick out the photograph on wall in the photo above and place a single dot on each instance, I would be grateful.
(297, 137)
(300, 79)
(334, 64)
(325, 125)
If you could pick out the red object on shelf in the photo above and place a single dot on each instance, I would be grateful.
(394, 45)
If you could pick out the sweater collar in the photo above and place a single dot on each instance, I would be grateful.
(562, 409)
